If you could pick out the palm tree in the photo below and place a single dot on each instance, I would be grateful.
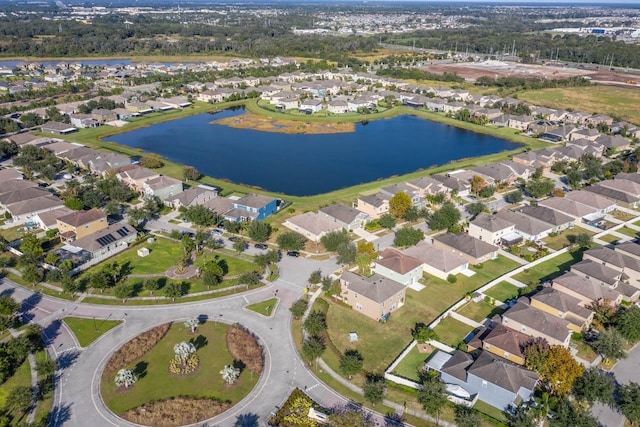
(230, 374)
(183, 350)
(126, 378)
(192, 324)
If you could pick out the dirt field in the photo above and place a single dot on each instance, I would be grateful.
(265, 124)
(472, 71)
(495, 69)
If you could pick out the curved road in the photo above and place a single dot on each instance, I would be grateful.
(77, 399)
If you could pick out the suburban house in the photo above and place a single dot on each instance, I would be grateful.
(559, 220)
(311, 225)
(163, 187)
(252, 207)
(427, 186)
(493, 230)
(615, 193)
(571, 208)
(78, 224)
(602, 204)
(495, 381)
(605, 276)
(630, 249)
(337, 106)
(58, 128)
(375, 296)
(537, 323)
(106, 242)
(501, 341)
(437, 261)
(193, 196)
(564, 306)
(374, 205)
(473, 250)
(527, 227)
(398, 266)
(24, 211)
(587, 291)
(135, 176)
(616, 260)
(393, 189)
(345, 216)
(310, 106)
(48, 220)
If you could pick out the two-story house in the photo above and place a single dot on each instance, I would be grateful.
(79, 224)
(375, 296)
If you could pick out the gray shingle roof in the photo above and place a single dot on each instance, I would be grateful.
(376, 288)
(467, 244)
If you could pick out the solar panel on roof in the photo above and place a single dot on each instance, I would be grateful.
(105, 240)
(122, 232)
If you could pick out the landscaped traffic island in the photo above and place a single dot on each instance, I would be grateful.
(181, 373)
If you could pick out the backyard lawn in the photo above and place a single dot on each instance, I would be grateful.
(440, 294)
(503, 291)
(549, 269)
(622, 216)
(478, 311)
(410, 366)
(451, 331)
(13, 233)
(89, 330)
(156, 383)
(609, 238)
(584, 350)
(265, 307)
(628, 231)
(565, 238)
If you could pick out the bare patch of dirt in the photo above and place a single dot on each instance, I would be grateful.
(177, 411)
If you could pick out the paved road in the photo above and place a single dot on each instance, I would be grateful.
(79, 369)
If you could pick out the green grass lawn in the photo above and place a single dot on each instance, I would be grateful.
(503, 291)
(412, 364)
(265, 307)
(45, 403)
(565, 238)
(619, 102)
(440, 294)
(584, 350)
(609, 238)
(549, 269)
(478, 310)
(489, 410)
(627, 231)
(13, 233)
(451, 331)
(89, 330)
(164, 253)
(622, 216)
(155, 382)
(21, 378)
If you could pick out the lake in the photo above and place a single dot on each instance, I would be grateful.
(302, 165)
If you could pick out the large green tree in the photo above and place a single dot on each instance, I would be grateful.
(447, 216)
(291, 241)
(399, 204)
(259, 231)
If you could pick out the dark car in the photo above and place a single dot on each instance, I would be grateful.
(260, 246)
(234, 238)
(293, 254)
(43, 184)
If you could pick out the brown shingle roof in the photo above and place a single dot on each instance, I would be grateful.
(397, 261)
(79, 218)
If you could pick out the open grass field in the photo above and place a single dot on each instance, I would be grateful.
(265, 307)
(549, 269)
(89, 330)
(156, 383)
(451, 331)
(503, 291)
(479, 310)
(564, 239)
(614, 101)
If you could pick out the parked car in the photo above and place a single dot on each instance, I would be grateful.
(294, 254)
(260, 246)
(217, 231)
(234, 238)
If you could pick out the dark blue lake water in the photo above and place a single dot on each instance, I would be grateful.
(303, 165)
